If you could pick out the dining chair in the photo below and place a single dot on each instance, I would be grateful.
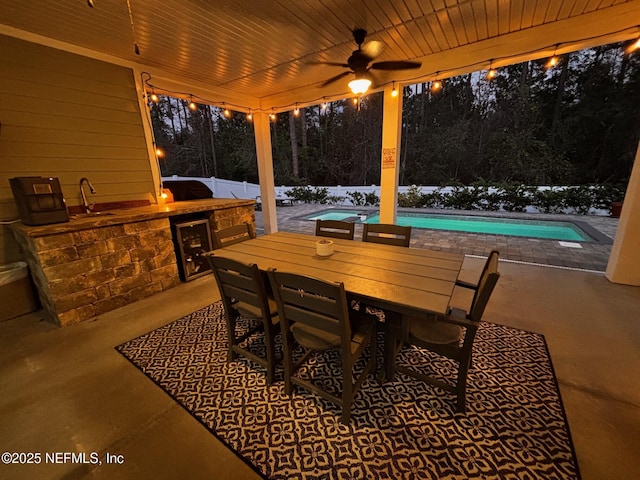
(451, 336)
(244, 293)
(493, 256)
(387, 233)
(335, 229)
(232, 235)
(474, 286)
(315, 315)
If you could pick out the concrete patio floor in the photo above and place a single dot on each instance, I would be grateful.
(68, 390)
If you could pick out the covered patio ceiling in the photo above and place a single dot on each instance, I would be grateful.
(260, 54)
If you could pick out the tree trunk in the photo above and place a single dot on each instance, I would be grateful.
(171, 118)
(294, 145)
(560, 93)
(303, 128)
(214, 160)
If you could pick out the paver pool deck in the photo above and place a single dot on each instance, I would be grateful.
(590, 256)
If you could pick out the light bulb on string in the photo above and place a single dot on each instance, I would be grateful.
(633, 47)
(154, 98)
(296, 111)
(324, 105)
(192, 105)
(272, 116)
(225, 111)
(553, 60)
(492, 72)
(436, 85)
(159, 152)
(250, 116)
(394, 91)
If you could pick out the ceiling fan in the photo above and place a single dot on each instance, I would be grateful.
(359, 64)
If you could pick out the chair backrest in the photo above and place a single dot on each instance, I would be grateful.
(231, 235)
(313, 302)
(335, 229)
(487, 282)
(387, 233)
(241, 286)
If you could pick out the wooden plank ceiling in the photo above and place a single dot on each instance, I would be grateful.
(260, 53)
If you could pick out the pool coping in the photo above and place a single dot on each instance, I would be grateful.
(596, 236)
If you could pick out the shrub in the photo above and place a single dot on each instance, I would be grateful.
(579, 199)
(335, 199)
(412, 199)
(371, 199)
(308, 195)
(462, 198)
(515, 197)
(549, 201)
(357, 198)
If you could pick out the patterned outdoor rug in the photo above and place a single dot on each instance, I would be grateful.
(514, 428)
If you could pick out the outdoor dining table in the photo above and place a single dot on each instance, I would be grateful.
(410, 281)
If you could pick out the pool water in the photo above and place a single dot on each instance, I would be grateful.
(550, 230)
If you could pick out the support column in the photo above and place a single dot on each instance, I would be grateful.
(262, 132)
(390, 162)
(624, 261)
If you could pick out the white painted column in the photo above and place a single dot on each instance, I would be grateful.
(262, 132)
(624, 261)
(390, 161)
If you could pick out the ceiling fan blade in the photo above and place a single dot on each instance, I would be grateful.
(335, 78)
(332, 64)
(372, 48)
(395, 65)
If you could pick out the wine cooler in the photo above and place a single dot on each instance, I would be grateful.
(192, 240)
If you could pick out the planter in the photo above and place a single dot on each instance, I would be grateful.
(616, 208)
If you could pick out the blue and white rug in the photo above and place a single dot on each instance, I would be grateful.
(514, 428)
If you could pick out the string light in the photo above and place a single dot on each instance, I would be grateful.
(272, 116)
(394, 92)
(136, 49)
(159, 152)
(192, 105)
(437, 84)
(553, 60)
(225, 111)
(633, 47)
(296, 111)
(491, 73)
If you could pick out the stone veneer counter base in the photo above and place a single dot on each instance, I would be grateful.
(91, 265)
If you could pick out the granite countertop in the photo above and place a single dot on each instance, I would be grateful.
(129, 215)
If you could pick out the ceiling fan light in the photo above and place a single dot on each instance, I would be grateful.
(359, 85)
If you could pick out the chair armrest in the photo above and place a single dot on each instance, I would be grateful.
(462, 283)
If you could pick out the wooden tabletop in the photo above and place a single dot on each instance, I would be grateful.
(405, 280)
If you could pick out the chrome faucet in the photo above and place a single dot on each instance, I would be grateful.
(87, 206)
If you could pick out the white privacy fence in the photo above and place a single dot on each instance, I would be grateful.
(230, 189)
(223, 188)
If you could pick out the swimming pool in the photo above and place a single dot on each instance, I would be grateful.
(550, 230)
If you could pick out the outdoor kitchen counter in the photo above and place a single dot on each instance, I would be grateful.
(94, 264)
(130, 215)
